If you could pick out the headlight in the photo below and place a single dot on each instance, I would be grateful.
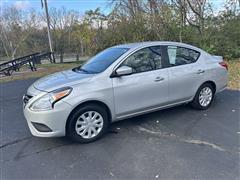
(47, 101)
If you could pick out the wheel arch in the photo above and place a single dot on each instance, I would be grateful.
(195, 100)
(96, 102)
(205, 82)
(210, 82)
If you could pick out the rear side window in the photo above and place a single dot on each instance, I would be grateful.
(180, 55)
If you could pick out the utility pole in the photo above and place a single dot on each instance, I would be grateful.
(48, 29)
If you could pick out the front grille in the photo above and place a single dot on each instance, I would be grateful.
(26, 98)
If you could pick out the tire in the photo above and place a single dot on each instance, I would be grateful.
(204, 91)
(83, 121)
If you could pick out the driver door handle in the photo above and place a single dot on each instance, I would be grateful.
(200, 71)
(157, 79)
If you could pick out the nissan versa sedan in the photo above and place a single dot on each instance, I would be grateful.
(121, 82)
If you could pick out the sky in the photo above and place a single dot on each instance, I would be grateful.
(79, 5)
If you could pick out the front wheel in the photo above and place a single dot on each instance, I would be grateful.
(87, 124)
(203, 97)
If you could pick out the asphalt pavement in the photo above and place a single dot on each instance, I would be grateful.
(176, 143)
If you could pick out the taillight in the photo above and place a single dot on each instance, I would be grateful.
(223, 64)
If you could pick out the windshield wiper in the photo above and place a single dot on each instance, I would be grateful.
(80, 69)
(84, 70)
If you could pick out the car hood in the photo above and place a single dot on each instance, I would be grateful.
(61, 79)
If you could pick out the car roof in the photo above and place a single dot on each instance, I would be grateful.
(155, 43)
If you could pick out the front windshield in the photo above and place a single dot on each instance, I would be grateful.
(102, 60)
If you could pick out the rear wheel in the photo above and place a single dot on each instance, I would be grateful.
(204, 97)
(87, 124)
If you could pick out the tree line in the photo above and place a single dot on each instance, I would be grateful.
(190, 21)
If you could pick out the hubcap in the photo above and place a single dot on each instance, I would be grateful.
(205, 96)
(89, 124)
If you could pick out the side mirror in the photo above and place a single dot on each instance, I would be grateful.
(122, 71)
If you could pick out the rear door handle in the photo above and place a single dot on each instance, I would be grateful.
(157, 79)
(200, 71)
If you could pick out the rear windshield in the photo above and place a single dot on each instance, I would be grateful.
(103, 60)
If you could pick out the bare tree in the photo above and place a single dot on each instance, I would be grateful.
(129, 7)
(16, 27)
(61, 22)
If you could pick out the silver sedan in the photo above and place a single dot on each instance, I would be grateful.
(121, 82)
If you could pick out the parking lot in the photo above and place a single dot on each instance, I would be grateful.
(177, 143)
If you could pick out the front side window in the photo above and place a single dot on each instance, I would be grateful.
(146, 59)
(103, 60)
(180, 56)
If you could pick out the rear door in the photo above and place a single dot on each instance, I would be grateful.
(185, 73)
(146, 88)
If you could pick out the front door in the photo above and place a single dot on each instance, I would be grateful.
(146, 88)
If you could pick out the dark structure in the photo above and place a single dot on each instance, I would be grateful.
(32, 60)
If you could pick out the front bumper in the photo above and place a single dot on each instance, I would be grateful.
(54, 119)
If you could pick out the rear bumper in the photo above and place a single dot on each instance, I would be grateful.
(221, 84)
(221, 89)
(54, 119)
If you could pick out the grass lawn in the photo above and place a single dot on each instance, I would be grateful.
(42, 70)
(45, 69)
(234, 74)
